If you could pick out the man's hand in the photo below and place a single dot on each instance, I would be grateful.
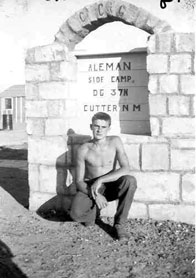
(101, 201)
(94, 188)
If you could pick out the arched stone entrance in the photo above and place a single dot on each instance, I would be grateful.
(86, 20)
(163, 163)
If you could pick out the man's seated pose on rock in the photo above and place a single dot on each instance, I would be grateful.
(97, 179)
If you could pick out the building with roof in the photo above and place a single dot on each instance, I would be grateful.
(12, 108)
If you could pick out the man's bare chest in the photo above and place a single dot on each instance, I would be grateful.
(101, 157)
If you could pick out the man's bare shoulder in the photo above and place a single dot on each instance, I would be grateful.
(83, 148)
(114, 139)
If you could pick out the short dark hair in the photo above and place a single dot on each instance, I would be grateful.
(102, 116)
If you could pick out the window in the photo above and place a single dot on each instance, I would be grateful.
(8, 103)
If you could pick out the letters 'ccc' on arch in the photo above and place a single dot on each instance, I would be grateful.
(79, 25)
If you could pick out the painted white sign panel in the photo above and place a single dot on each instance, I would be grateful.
(118, 85)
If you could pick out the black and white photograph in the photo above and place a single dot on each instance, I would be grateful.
(97, 138)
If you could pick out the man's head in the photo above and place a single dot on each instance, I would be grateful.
(100, 125)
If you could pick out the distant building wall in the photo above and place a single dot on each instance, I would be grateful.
(163, 163)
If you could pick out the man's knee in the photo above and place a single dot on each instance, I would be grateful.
(130, 181)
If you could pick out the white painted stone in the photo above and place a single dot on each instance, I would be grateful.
(168, 84)
(157, 187)
(188, 84)
(36, 108)
(155, 157)
(183, 143)
(178, 213)
(35, 126)
(48, 179)
(157, 63)
(33, 177)
(153, 84)
(55, 127)
(183, 160)
(31, 91)
(157, 105)
(185, 42)
(179, 105)
(178, 127)
(188, 188)
(37, 73)
(56, 108)
(151, 44)
(155, 126)
(132, 152)
(46, 150)
(180, 63)
(37, 199)
(54, 90)
(165, 42)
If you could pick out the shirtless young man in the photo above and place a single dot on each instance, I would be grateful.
(97, 179)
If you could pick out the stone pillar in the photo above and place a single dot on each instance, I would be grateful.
(49, 112)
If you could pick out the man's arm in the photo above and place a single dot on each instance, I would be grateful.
(116, 174)
(80, 170)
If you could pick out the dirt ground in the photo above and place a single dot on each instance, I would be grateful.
(34, 247)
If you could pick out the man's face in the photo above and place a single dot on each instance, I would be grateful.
(100, 129)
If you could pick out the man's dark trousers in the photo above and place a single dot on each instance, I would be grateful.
(84, 209)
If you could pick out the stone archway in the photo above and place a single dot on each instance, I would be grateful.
(78, 26)
(163, 163)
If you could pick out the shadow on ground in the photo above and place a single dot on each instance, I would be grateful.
(8, 269)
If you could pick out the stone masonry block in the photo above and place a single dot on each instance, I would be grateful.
(63, 71)
(183, 143)
(193, 106)
(126, 11)
(55, 127)
(70, 38)
(182, 160)
(153, 84)
(178, 213)
(47, 53)
(161, 27)
(185, 42)
(179, 105)
(157, 63)
(33, 177)
(35, 126)
(56, 108)
(152, 44)
(70, 108)
(138, 210)
(168, 84)
(75, 23)
(165, 42)
(31, 91)
(46, 150)
(38, 198)
(155, 126)
(188, 84)
(178, 127)
(48, 179)
(36, 108)
(160, 187)
(37, 73)
(151, 23)
(141, 20)
(155, 157)
(188, 188)
(180, 63)
(157, 105)
(132, 152)
(54, 90)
